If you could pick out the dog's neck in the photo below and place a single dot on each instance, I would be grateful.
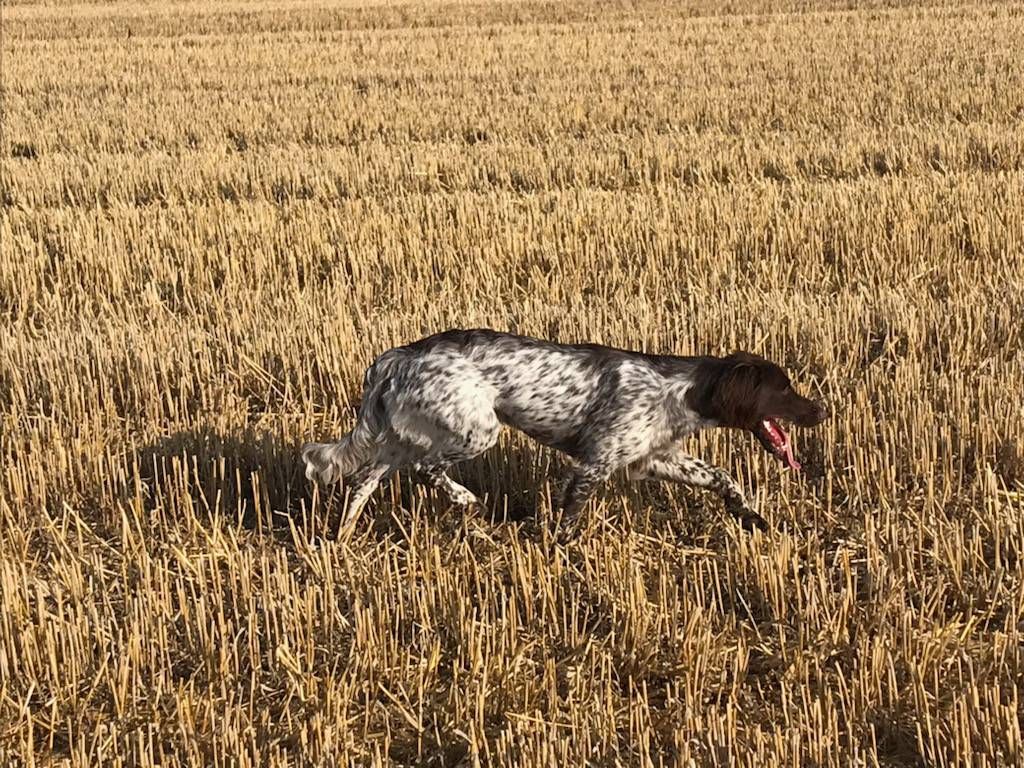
(685, 416)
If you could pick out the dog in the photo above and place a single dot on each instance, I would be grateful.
(443, 399)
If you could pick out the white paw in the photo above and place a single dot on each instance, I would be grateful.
(464, 498)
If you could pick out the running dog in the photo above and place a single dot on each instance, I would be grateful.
(443, 399)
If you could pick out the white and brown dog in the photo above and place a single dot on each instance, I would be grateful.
(443, 399)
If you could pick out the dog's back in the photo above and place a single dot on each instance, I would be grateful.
(555, 393)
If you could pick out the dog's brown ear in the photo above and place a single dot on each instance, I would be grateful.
(734, 397)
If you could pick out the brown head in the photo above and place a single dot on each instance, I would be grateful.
(745, 391)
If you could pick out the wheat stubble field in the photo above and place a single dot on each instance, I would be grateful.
(215, 215)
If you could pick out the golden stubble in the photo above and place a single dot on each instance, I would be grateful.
(214, 216)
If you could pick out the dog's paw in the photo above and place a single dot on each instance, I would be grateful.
(750, 521)
(463, 497)
(568, 527)
(474, 509)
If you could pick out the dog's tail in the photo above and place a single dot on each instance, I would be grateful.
(329, 462)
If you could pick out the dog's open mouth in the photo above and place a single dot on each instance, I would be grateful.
(775, 440)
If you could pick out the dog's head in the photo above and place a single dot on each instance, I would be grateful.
(745, 391)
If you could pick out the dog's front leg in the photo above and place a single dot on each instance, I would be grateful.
(580, 485)
(700, 474)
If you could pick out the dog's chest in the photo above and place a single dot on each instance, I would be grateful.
(686, 424)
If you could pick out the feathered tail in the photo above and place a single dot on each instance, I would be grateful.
(329, 462)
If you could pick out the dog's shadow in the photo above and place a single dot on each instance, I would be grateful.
(514, 480)
(256, 479)
(252, 478)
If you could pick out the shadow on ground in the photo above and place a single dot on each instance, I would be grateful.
(257, 479)
(252, 477)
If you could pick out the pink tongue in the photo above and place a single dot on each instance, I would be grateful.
(781, 441)
(791, 462)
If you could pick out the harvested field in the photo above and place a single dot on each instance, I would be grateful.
(215, 215)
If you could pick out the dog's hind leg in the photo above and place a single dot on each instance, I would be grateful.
(456, 431)
(363, 483)
(391, 457)
(461, 440)
(700, 474)
(437, 476)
